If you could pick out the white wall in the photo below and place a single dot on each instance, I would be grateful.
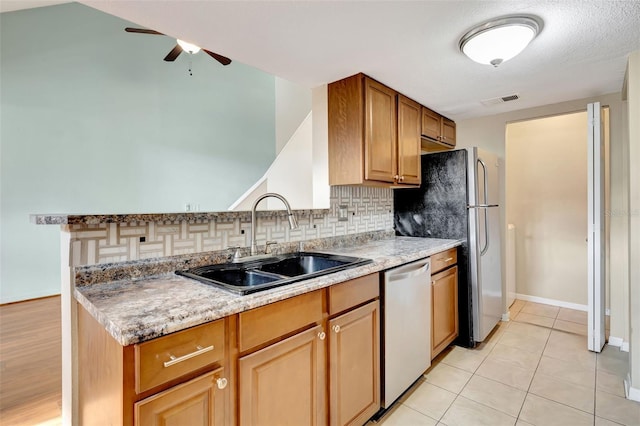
(290, 175)
(633, 98)
(293, 104)
(546, 194)
(489, 133)
(300, 171)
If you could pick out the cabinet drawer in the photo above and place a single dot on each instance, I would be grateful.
(166, 358)
(444, 259)
(270, 322)
(352, 293)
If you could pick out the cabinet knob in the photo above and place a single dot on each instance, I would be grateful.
(222, 382)
(396, 178)
(336, 328)
(322, 335)
(401, 178)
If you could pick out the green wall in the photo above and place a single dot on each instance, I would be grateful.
(94, 121)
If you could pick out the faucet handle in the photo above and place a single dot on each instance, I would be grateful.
(267, 248)
(235, 257)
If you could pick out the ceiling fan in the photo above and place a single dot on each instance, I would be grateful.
(181, 46)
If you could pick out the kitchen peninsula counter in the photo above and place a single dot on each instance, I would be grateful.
(135, 310)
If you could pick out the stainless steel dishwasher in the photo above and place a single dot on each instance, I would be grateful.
(407, 327)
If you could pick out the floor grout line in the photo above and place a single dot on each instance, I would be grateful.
(534, 375)
(495, 341)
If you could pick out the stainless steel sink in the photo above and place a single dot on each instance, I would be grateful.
(263, 274)
(304, 264)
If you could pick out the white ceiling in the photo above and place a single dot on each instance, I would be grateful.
(411, 46)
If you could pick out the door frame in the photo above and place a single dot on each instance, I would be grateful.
(596, 234)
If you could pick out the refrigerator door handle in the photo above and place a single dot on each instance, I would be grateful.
(486, 179)
(486, 235)
(486, 223)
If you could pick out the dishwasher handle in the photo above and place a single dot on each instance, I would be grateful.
(420, 269)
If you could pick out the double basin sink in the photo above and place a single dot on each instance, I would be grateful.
(265, 273)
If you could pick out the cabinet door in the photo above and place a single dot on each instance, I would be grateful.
(448, 132)
(354, 358)
(430, 124)
(408, 141)
(380, 132)
(195, 403)
(284, 384)
(444, 312)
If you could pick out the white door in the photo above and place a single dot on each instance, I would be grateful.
(595, 223)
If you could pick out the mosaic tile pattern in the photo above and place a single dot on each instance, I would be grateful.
(136, 269)
(369, 209)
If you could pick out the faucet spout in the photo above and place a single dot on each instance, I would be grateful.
(293, 223)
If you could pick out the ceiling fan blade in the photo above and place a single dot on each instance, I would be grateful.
(175, 52)
(142, 31)
(222, 59)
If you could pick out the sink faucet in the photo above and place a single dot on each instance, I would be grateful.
(293, 223)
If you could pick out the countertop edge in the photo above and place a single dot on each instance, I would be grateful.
(95, 219)
(136, 333)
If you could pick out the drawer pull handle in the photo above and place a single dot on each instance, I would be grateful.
(447, 260)
(175, 360)
(222, 383)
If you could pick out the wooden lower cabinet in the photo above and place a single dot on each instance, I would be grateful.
(354, 365)
(444, 313)
(195, 403)
(194, 391)
(284, 383)
(313, 359)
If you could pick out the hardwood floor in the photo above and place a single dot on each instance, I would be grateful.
(30, 362)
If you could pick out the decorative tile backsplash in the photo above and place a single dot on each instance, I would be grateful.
(368, 209)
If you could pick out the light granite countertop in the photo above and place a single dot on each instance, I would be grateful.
(133, 311)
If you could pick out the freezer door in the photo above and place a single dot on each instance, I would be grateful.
(484, 242)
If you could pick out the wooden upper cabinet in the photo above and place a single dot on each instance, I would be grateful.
(363, 134)
(380, 132)
(438, 132)
(448, 132)
(430, 124)
(408, 141)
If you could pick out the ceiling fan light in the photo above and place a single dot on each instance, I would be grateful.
(498, 41)
(188, 47)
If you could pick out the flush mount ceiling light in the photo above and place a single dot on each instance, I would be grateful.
(499, 40)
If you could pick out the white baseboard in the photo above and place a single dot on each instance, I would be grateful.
(615, 341)
(631, 392)
(552, 302)
(619, 343)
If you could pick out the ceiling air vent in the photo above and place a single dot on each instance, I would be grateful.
(500, 100)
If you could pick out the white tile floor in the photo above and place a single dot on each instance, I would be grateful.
(533, 370)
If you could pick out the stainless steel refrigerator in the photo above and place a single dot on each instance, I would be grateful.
(458, 198)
